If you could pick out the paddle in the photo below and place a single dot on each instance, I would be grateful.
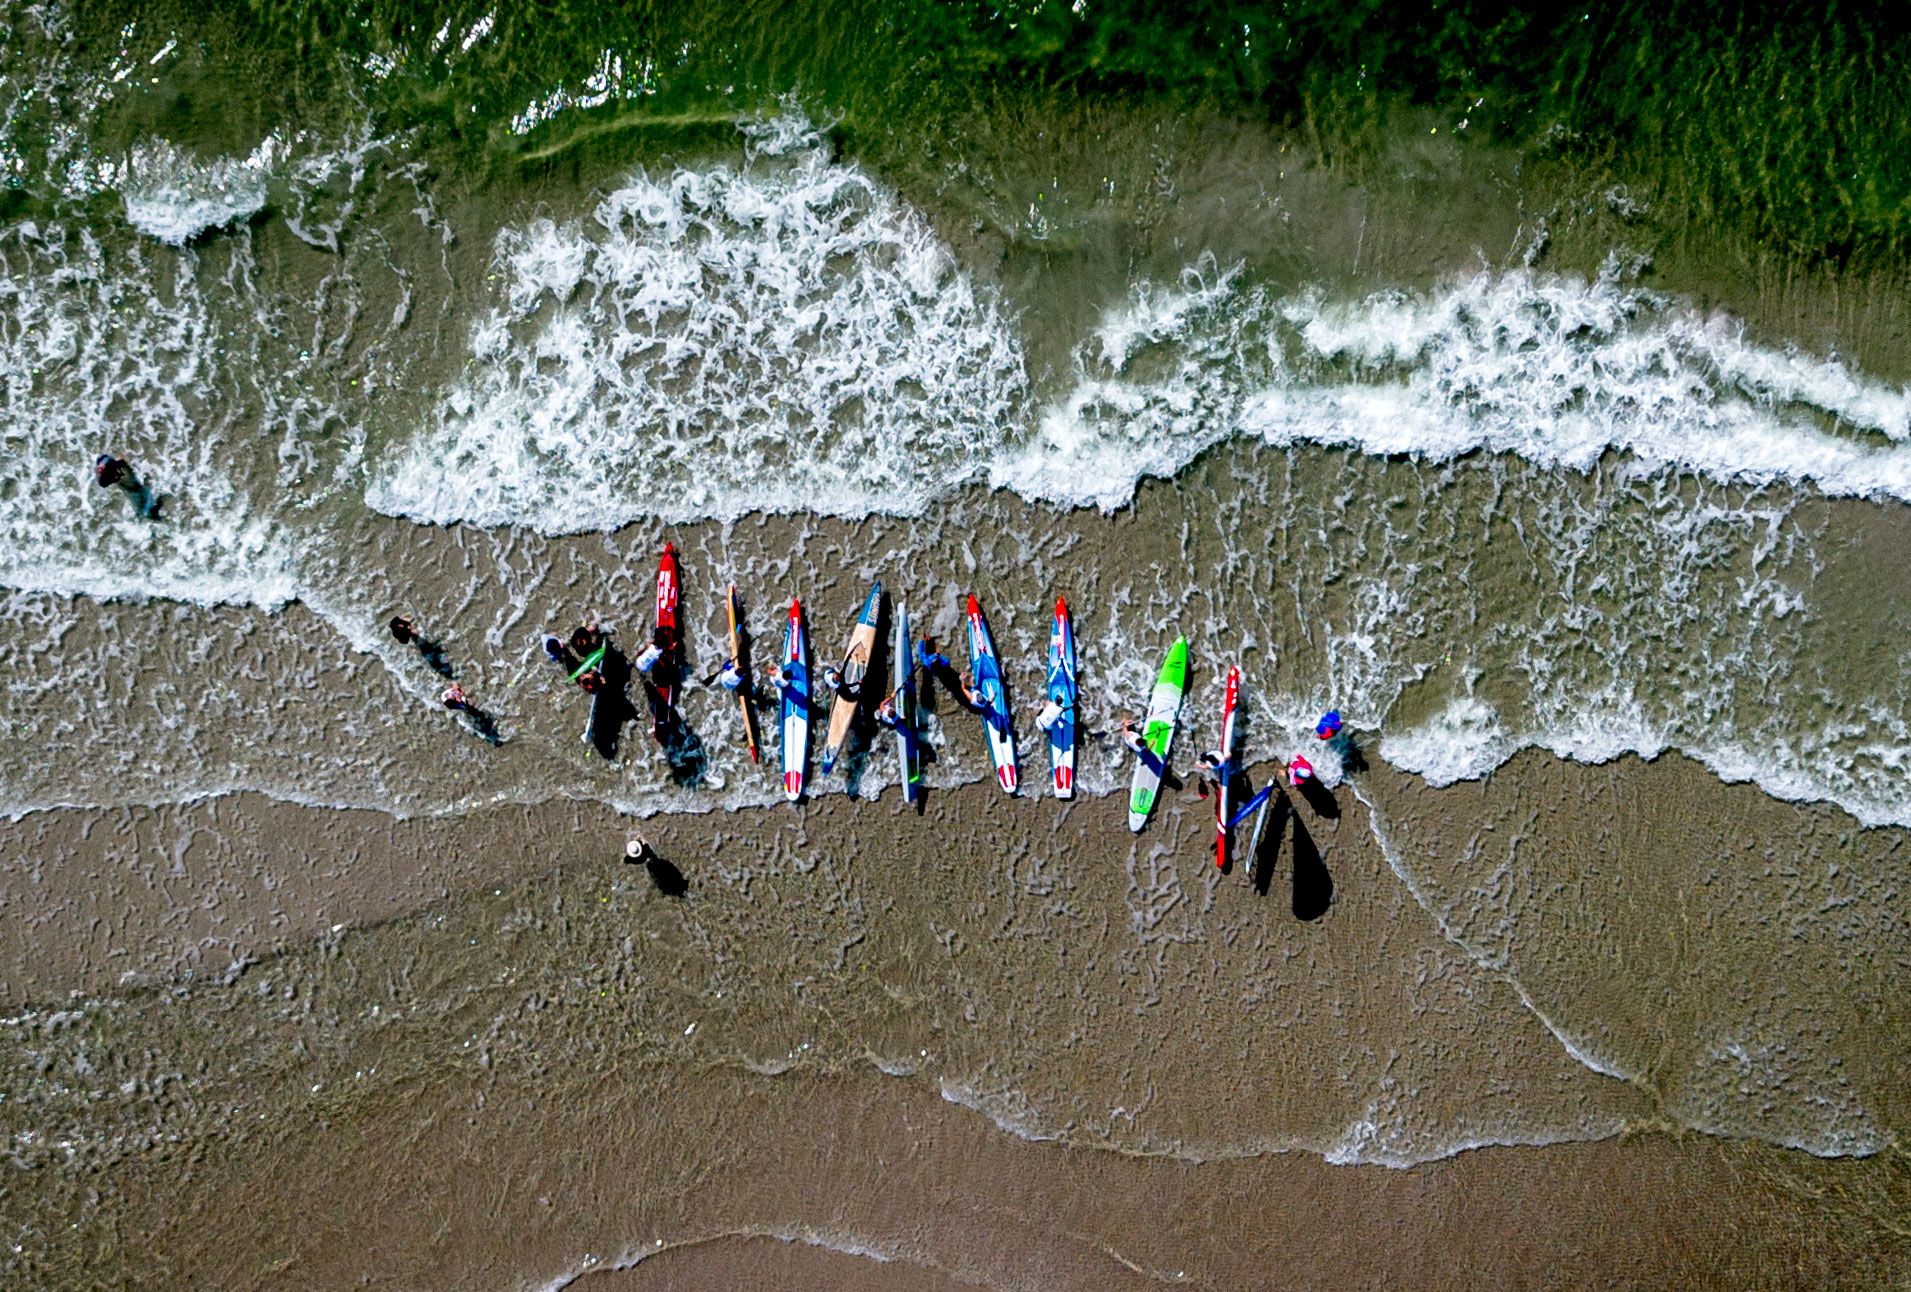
(1248, 808)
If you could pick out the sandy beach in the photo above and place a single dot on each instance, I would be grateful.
(896, 1056)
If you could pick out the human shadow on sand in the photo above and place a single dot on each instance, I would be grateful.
(1313, 885)
(683, 748)
(433, 653)
(1268, 850)
(668, 879)
(610, 705)
(1320, 799)
(482, 725)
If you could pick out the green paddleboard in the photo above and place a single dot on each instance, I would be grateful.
(1164, 707)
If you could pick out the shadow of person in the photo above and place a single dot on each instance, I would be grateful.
(483, 725)
(668, 879)
(1239, 790)
(683, 748)
(1351, 759)
(1320, 799)
(859, 750)
(944, 678)
(610, 705)
(1313, 885)
(434, 656)
(1268, 850)
(146, 500)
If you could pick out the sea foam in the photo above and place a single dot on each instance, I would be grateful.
(784, 333)
(174, 196)
(780, 335)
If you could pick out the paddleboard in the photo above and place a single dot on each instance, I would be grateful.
(593, 660)
(1223, 777)
(1164, 707)
(855, 666)
(1061, 692)
(796, 703)
(1260, 803)
(667, 671)
(743, 668)
(908, 755)
(995, 697)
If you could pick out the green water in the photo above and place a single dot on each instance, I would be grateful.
(1785, 131)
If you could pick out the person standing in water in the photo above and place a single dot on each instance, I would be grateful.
(937, 666)
(559, 654)
(454, 698)
(652, 654)
(731, 679)
(1208, 778)
(109, 470)
(586, 638)
(668, 879)
(405, 632)
(1131, 739)
(780, 682)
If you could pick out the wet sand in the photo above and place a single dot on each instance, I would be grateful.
(1107, 1065)
(715, 1179)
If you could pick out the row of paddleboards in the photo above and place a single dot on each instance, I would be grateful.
(991, 701)
(798, 696)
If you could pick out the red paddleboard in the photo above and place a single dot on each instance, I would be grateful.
(1225, 775)
(667, 671)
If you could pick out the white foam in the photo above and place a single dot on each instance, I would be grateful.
(1468, 739)
(1463, 742)
(113, 351)
(784, 334)
(1555, 369)
(175, 196)
(779, 335)
(1758, 1080)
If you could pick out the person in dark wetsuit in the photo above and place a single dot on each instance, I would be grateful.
(586, 639)
(668, 879)
(833, 679)
(109, 471)
(560, 654)
(1131, 739)
(939, 669)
